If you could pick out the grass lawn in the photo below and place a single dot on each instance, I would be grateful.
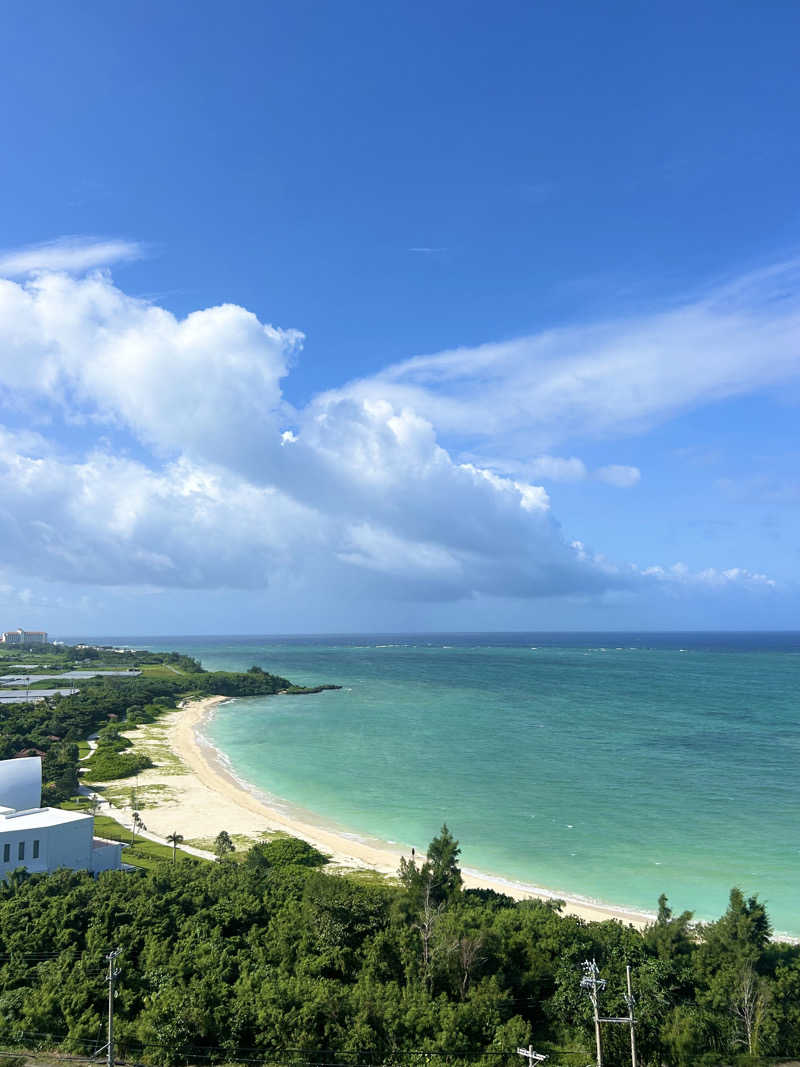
(242, 843)
(162, 670)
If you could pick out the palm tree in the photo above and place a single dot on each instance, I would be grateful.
(136, 825)
(175, 839)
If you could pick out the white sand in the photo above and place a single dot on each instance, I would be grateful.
(201, 798)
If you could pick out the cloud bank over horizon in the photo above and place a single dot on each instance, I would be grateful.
(423, 482)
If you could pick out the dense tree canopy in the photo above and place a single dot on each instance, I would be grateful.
(277, 957)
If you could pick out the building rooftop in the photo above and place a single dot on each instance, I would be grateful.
(39, 818)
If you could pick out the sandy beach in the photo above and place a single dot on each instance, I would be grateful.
(191, 791)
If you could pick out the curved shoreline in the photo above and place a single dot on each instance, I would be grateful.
(225, 803)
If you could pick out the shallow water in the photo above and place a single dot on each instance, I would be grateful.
(612, 766)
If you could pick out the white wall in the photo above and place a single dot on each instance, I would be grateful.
(66, 844)
(107, 858)
(70, 845)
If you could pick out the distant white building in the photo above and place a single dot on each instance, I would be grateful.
(44, 839)
(24, 637)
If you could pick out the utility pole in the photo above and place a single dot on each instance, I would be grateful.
(630, 1002)
(594, 985)
(531, 1056)
(627, 1020)
(113, 974)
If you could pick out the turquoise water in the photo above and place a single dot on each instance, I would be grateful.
(614, 766)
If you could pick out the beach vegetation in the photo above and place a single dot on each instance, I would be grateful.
(223, 845)
(285, 852)
(111, 759)
(438, 878)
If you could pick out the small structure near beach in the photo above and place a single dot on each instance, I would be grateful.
(45, 839)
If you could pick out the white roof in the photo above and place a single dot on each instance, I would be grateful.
(21, 782)
(39, 819)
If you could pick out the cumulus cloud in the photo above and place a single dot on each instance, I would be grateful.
(678, 575)
(208, 384)
(109, 520)
(234, 488)
(68, 254)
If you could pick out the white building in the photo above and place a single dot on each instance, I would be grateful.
(24, 637)
(44, 839)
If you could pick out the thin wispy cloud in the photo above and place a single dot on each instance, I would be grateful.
(616, 377)
(70, 254)
(426, 251)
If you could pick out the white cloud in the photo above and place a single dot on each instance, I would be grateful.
(557, 468)
(679, 575)
(710, 577)
(620, 476)
(74, 254)
(107, 520)
(208, 384)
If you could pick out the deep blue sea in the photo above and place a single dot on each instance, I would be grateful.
(611, 766)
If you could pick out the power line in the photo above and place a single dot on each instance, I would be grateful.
(315, 1057)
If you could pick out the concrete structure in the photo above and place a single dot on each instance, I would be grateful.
(24, 637)
(44, 839)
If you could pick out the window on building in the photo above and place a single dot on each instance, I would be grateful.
(21, 851)
(36, 849)
(6, 853)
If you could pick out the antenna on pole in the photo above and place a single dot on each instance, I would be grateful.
(594, 985)
(531, 1056)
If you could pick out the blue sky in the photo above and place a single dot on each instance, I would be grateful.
(347, 316)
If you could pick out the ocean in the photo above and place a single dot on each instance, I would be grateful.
(612, 767)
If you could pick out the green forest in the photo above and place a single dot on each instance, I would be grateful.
(272, 959)
(270, 956)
